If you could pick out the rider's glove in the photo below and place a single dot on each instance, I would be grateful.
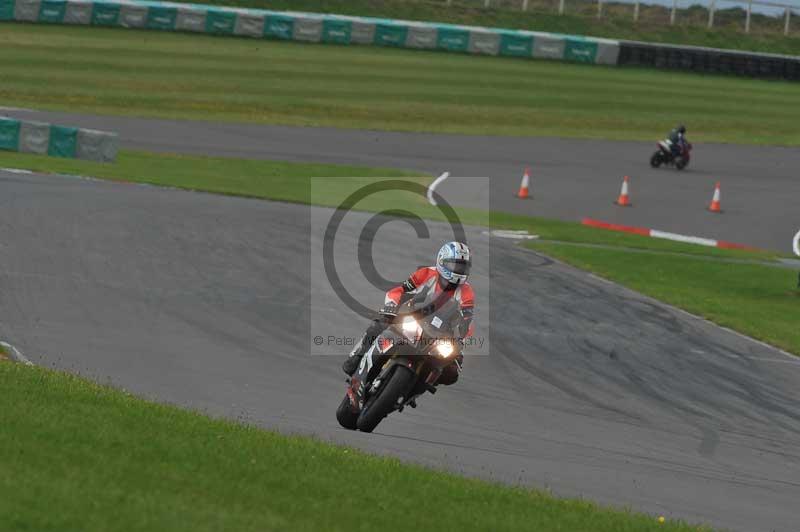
(389, 309)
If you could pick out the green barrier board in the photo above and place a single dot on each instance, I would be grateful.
(580, 50)
(390, 34)
(220, 22)
(52, 11)
(336, 31)
(516, 45)
(6, 9)
(161, 18)
(63, 141)
(279, 27)
(9, 134)
(455, 40)
(105, 14)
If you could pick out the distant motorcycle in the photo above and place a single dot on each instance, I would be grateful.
(404, 362)
(664, 155)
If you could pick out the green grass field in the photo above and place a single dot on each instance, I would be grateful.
(138, 73)
(278, 180)
(78, 456)
(758, 300)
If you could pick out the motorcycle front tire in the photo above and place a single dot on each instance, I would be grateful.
(388, 398)
(345, 415)
(656, 160)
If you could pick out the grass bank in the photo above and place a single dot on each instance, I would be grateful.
(153, 74)
(759, 300)
(78, 456)
(278, 180)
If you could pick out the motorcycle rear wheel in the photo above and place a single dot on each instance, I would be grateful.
(680, 163)
(384, 403)
(345, 415)
(655, 160)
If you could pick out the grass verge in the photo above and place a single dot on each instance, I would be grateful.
(293, 182)
(278, 180)
(171, 75)
(78, 456)
(755, 299)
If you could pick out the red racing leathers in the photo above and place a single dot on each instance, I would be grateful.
(428, 276)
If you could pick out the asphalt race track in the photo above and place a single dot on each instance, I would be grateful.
(572, 179)
(589, 389)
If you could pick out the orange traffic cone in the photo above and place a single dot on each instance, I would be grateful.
(715, 205)
(525, 185)
(624, 199)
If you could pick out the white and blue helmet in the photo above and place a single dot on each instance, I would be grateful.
(453, 262)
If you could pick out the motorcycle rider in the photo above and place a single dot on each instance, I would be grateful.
(449, 275)
(677, 138)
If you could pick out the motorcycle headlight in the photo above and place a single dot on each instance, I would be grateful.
(444, 349)
(410, 328)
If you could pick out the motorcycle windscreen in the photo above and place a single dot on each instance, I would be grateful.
(442, 322)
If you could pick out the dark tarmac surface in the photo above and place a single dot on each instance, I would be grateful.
(572, 179)
(589, 389)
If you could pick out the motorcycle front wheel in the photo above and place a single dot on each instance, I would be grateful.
(655, 160)
(345, 415)
(392, 394)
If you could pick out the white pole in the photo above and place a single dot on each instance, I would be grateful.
(747, 20)
(796, 244)
(560, 7)
(786, 24)
(524, 5)
(599, 8)
(672, 13)
(711, 8)
(636, 12)
(486, 3)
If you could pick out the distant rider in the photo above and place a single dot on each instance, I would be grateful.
(677, 138)
(449, 276)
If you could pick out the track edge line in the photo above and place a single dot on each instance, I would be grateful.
(15, 354)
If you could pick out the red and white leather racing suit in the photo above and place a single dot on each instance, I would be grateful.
(427, 276)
